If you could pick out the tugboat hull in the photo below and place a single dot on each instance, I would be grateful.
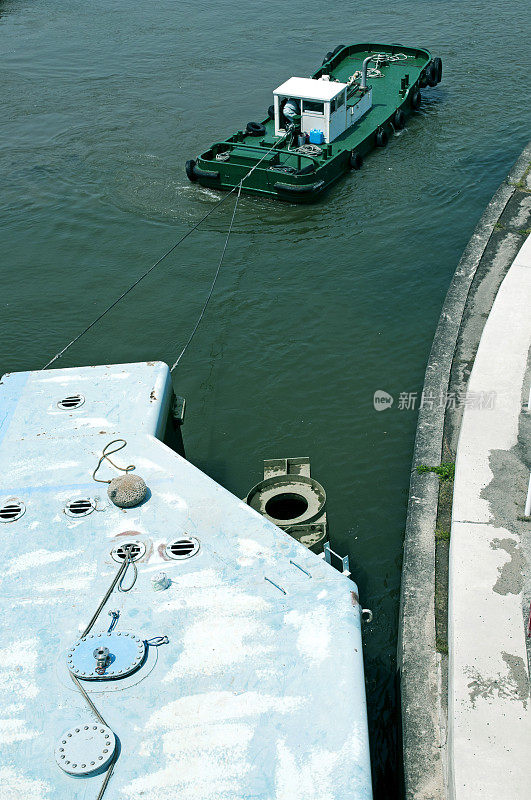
(381, 90)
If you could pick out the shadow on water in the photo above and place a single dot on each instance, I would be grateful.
(384, 723)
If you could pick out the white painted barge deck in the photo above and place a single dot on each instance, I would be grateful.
(259, 692)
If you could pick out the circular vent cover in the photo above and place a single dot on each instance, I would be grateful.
(136, 547)
(86, 749)
(12, 509)
(80, 507)
(182, 548)
(71, 402)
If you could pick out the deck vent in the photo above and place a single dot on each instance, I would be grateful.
(137, 549)
(12, 510)
(182, 548)
(80, 508)
(71, 402)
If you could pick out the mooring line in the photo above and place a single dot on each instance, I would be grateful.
(205, 304)
(138, 280)
(110, 769)
(94, 322)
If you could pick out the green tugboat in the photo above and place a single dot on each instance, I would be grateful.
(318, 128)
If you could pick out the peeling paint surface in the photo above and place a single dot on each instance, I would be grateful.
(256, 695)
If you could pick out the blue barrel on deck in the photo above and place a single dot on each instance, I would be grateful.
(316, 136)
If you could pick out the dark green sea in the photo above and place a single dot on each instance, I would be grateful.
(316, 307)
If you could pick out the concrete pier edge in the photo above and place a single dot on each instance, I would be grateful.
(422, 668)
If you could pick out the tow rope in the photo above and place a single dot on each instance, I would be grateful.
(95, 321)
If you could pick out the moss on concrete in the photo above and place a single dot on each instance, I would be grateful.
(423, 643)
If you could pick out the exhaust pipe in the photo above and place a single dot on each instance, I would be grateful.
(363, 84)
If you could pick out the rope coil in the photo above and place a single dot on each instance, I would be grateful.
(308, 150)
(382, 59)
(105, 457)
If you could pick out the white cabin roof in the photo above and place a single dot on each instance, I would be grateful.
(310, 89)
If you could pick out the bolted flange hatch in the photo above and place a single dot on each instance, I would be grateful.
(86, 749)
(106, 656)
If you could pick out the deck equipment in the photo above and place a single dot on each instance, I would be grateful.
(293, 500)
(321, 127)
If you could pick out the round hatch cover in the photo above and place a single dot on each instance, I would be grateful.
(86, 749)
(126, 653)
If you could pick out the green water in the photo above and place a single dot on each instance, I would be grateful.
(316, 307)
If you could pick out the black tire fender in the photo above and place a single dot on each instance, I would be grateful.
(271, 112)
(437, 63)
(189, 167)
(399, 120)
(416, 99)
(355, 160)
(307, 188)
(206, 174)
(328, 56)
(381, 137)
(431, 75)
(255, 129)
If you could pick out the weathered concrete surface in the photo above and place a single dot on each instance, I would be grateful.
(421, 657)
(489, 720)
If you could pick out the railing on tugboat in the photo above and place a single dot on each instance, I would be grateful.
(229, 145)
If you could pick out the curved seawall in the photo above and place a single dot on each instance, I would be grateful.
(423, 641)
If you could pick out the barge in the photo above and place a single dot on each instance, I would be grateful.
(160, 638)
(321, 127)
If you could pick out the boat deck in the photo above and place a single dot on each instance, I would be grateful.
(386, 99)
(259, 691)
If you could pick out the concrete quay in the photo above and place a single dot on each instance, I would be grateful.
(489, 713)
(458, 672)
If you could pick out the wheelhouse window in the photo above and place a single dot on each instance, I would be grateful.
(340, 99)
(313, 106)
